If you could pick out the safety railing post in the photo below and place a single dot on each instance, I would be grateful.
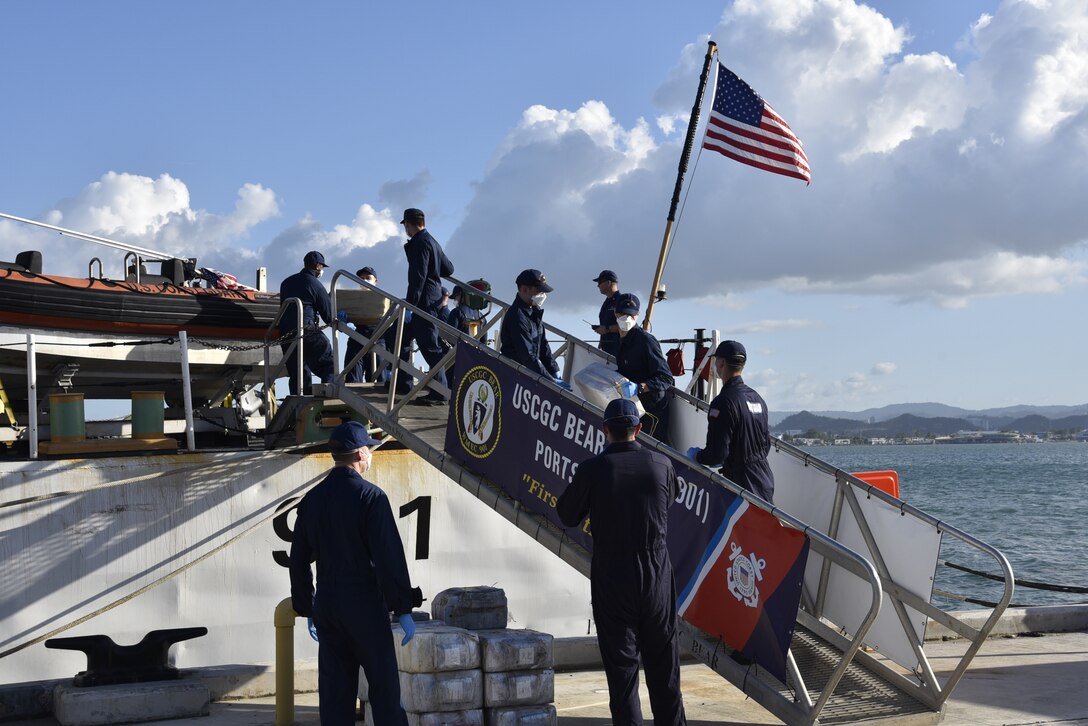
(187, 388)
(284, 620)
(32, 394)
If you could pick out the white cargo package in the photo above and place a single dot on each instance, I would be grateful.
(422, 621)
(437, 648)
(538, 715)
(600, 384)
(514, 650)
(473, 608)
(362, 307)
(471, 717)
(519, 688)
(446, 691)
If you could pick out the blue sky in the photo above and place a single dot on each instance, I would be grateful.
(939, 254)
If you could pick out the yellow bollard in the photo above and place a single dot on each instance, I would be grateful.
(284, 620)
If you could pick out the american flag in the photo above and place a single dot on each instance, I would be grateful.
(745, 128)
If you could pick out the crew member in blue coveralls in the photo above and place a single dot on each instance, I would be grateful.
(427, 265)
(316, 307)
(522, 335)
(609, 286)
(444, 306)
(640, 360)
(626, 492)
(738, 438)
(347, 525)
(364, 370)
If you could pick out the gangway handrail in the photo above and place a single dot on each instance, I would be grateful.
(938, 692)
(395, 315)
(976, 637)
(297, 343)
(387, 418)
(927, 690)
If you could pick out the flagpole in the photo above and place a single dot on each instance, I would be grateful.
(693, 122)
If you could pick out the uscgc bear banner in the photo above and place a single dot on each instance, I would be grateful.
(738, 571)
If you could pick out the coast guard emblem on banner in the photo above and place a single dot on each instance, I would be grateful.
(745, 574)
(748, 584)
(479, 399)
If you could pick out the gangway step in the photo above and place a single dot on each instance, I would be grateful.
(861, 695)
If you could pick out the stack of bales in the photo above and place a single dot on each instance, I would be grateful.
(441, 683)
(518, 680)
(465, 668)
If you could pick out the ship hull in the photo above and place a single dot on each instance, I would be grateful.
(149, 542)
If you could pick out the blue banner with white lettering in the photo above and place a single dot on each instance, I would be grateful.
(738, 571)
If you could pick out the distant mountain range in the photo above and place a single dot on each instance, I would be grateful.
(978, 417)
(909, 424)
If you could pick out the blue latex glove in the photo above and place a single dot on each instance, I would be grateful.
(563, 384)
(693, 452)
(312, 628)
(407, 316)
(342, 316)
(409, 626)
(629, 389)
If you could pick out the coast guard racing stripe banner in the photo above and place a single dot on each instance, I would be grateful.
(738, 571)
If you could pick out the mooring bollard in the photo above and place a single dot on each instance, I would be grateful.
(284, 620)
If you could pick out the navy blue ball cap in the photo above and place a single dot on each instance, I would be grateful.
(313, 258)
(732, 351)
(627, 304)
(534, 278)
(445, 292)
(413, 214)
(606, 276)
(366, 272)
(352, 435)
(621, 410)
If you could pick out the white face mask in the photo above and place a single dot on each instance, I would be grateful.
(538, 299)
(625, 322)
(320, 271)
(368, 462)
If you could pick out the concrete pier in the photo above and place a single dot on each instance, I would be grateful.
(1013, 680)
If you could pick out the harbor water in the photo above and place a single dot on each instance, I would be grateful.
(1030, 501)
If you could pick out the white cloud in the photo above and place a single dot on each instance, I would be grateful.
(671, 123)
(768, 326)
(156, 214)
(367, 229)
(920, 95)
(728, 301)
(908, 198)
(952, 284)
(151, 213)
(800, 391)
(883, 369)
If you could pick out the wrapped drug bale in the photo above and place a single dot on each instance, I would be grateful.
(538, 715)
(422, 620)
(519, 688)
(362, 307)
(600, 385)
(472, 608)
(471, 717)
(437, 648)
(446, 691)
(514, 650)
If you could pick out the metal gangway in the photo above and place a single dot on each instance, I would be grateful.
(857, 652)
